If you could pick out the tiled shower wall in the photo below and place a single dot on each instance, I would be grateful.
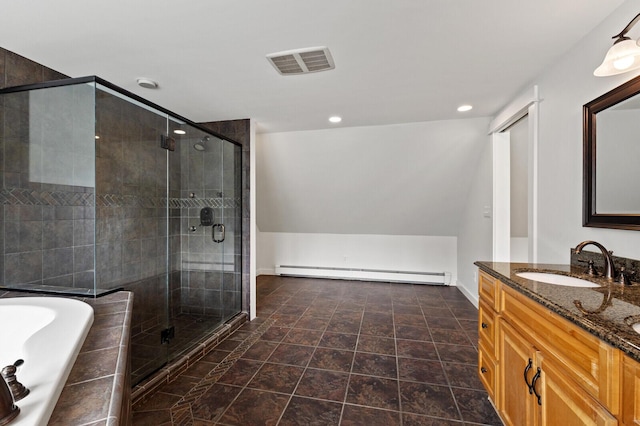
(240, 131)
(46, 226)
(211, 279)
(131, 215)
(78, 215)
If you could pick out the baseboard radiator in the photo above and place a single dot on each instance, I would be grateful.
(413, 277)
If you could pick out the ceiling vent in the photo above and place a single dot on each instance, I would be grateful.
(302, 61)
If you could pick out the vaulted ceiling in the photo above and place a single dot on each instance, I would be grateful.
(396, 61)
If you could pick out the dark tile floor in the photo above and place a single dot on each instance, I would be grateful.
(329, 352)
(148, 354)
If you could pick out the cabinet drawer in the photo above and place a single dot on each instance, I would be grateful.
(488, 289)
(487, 371)
(586, 359)
(487, 327)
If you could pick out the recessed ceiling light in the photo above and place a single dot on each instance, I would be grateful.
(179, 132)
(147, 83)
(335, 119)
(463, 108)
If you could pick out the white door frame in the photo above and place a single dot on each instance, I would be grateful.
(527, 104)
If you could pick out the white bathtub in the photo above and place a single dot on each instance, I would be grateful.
(47, 333)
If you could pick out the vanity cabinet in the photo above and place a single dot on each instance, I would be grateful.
(546, 370)
(487, 332)
(537, 391)
(517, 357)
(630, 406)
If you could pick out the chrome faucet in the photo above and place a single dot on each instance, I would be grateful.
(609, 271)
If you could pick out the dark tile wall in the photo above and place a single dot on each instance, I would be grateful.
(46, 229)
(16, 70)
(53, 230)
(211, 271)
(240, 131)
(131, 177)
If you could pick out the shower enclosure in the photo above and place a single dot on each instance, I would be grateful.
(102, 190)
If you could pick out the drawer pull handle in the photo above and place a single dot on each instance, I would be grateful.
(483, 370)
(485, 325)
(533, 386)
(526, 370)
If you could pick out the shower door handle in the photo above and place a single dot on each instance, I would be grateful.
(221, 234)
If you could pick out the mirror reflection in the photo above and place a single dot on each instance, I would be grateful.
(618, 151)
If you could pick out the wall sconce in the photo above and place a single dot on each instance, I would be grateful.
(623, 56)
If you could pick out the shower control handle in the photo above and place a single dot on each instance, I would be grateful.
(206, 216)
(220, 227)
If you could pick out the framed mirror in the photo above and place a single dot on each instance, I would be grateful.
(611, 159)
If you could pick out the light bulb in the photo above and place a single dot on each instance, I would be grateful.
(623, 63)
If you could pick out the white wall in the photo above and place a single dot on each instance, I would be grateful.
(475, 236)
(383, 197)
(564, 89)
(390, 252)
(403, 179)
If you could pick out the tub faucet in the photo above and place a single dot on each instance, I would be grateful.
(609, 268)
(18, 390)
(8, 410)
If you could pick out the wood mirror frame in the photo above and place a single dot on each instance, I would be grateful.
(589, 113)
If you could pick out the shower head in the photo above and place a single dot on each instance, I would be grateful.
(200, 145)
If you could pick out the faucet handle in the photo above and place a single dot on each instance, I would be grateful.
(18, 390)
(623, 276)
(591, 269)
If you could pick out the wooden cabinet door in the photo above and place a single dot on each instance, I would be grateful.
(487, 371)
(564, 403)
(630, 392)
(515, 404)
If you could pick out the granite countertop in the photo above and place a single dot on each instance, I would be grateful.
(98, 384)
(607, 312)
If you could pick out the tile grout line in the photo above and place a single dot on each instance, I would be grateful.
(455, 400)
(395, 344)
(279, 303)
(304, 370)
(355, 350)
(184, 404)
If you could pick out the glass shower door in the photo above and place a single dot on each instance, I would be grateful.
(131, 219)
(195, 184)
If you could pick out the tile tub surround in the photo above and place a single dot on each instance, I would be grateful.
(613, 325)
(97, 389)
(336, 352)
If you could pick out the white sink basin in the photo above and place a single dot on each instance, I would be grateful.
(636, 327)
(556, 279)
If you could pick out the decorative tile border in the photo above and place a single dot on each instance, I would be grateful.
(169, 373)
(181, 413)
(30, 197)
